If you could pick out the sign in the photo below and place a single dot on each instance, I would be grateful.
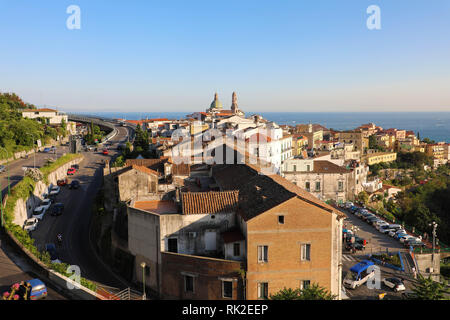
(39, 143)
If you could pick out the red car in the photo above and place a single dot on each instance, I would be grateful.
(62, 182)
(71, 171)
(105, 152)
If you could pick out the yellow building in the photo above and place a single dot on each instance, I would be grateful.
(436, 150)
(378, 157)
(360, 143)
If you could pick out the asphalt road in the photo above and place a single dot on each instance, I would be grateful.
(377, 242)
(13, 267)
(74, 223)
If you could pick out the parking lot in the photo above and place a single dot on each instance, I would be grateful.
(377, 242)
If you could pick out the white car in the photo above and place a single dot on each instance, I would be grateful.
(380, 224)
(394, 283)
(405, 238)
(39, 212)
(54, 191)
(46, 203)
(30, 224)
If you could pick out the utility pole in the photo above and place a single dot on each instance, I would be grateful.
(143, 281)
(434, 224)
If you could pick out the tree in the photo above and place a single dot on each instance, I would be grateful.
(427, 289)
(363, 197)
(313, 292)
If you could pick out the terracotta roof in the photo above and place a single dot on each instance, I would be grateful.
(323, 166)
(145, 170)
(209, 202)
(157, 206)
(154, 164)
(40, 110)
(232, 236)
(259, 138)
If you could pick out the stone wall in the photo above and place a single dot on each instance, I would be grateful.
(24, 208)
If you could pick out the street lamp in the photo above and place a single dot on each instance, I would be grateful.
(34, 155)
(143, 281)
(434, 224)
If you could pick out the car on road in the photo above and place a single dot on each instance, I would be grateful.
(352, 247)
(75, 184)
(30, 224)
(51, 249)
(46, 150)
(381, 223)
(371, 220)
(46, 203)
(57, 209)
(398, 236)
(39, 212)
(38, 289)
(62, 182)
(105, 152)
(54, 190)
(71, 171)
(2, 168)
(394, 283)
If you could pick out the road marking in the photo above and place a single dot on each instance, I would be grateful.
(347, 257)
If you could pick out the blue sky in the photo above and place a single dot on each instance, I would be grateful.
(155, 56)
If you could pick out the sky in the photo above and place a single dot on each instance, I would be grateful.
(166, 55)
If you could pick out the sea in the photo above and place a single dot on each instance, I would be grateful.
(432, 125)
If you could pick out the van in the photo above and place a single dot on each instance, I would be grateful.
(359, 274)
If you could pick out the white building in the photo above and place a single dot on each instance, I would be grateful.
(54, 116)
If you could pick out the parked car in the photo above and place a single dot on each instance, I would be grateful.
(105, 152)
(39, 212)
(381, 223)
(46, 150)
(394, 283)
(75, 184)
(62, 182)
(353, 209)
(2, 168)
(51, 248)
(71, 171)
(406, 238)
(57, 209)
(75, 166)
(385, 229)
(393, 233)
(354, 247)
(400, 235)
(54, 190)
(30, 224)
(414, 243)
(371, 220)
(46, 203)
(348, 205)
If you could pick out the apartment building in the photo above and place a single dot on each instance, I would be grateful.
(378, 157)
(312, 132)
(356, 138)
(254, 237)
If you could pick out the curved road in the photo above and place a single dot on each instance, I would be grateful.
(74, 223)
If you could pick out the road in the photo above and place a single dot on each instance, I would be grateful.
(74, 223)
(377, 242)
(13, 267)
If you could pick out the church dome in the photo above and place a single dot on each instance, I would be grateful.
(216, 104)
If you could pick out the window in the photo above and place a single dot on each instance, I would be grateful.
(263, 253)
(188, 284)
(295, 167)
(308, 167)
(227, 289)
(173, 245)
(305, 254)
(317, 186)
(304, 284)
(236, 249)
(263, 290)
(307, 186)
(340, 185)
(281, 219)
